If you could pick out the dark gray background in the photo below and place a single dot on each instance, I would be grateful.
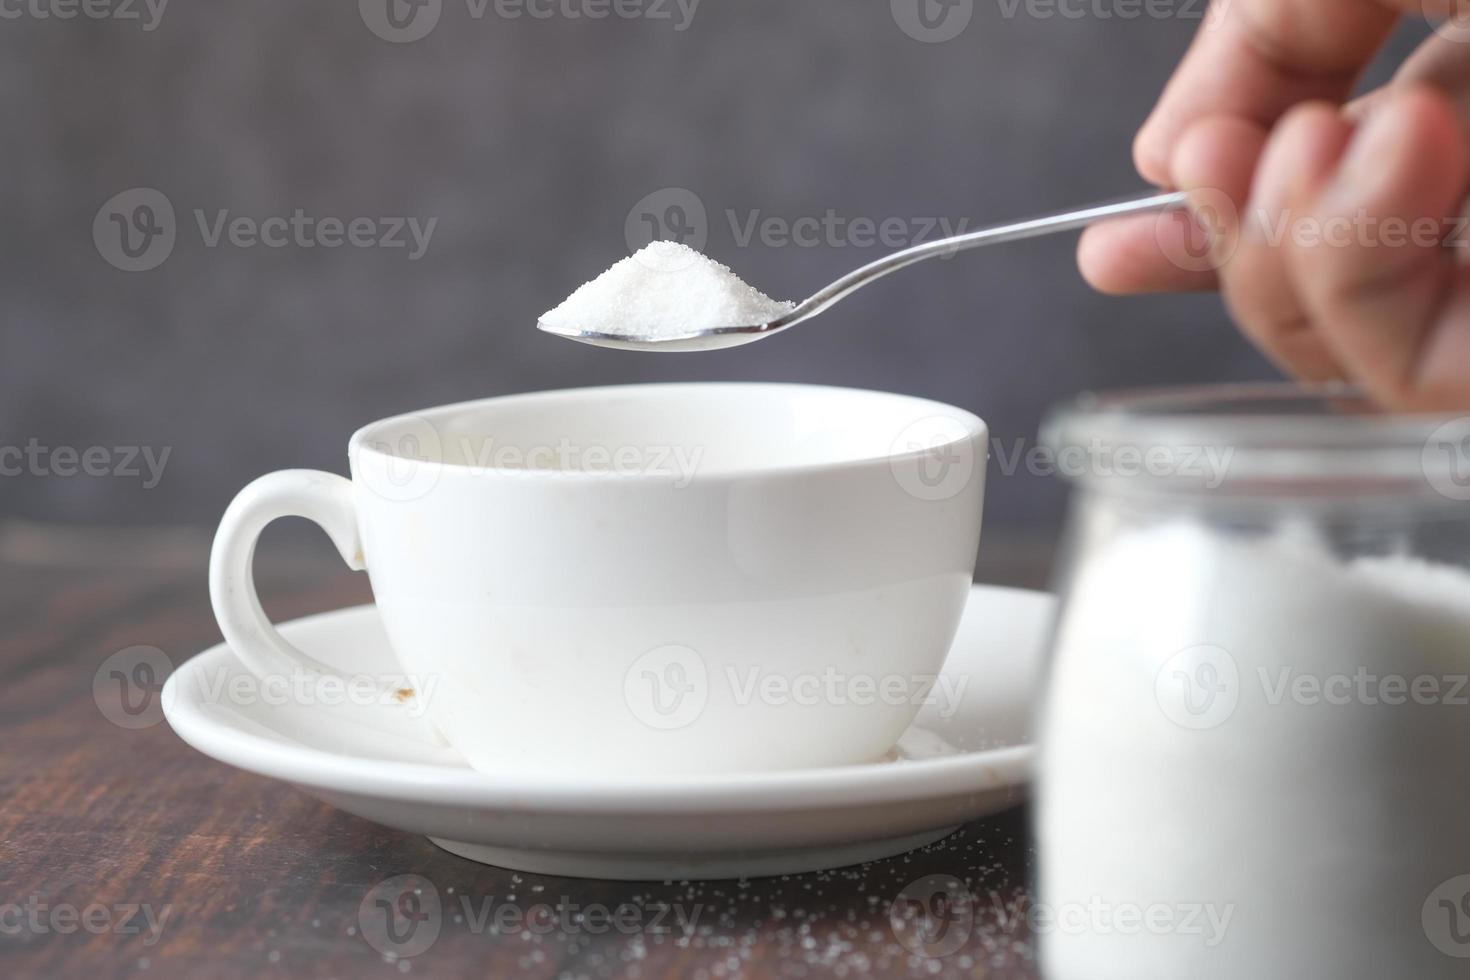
(530, 140)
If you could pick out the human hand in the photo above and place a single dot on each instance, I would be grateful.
(1326, 222)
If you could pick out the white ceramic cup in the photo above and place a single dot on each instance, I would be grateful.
(646, 579)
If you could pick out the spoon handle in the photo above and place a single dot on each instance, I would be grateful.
(1011, 231)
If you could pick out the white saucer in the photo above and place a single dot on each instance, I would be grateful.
(945, 772)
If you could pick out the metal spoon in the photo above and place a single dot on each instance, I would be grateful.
(713, 338)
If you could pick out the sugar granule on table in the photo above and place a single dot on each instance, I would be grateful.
(664, 289)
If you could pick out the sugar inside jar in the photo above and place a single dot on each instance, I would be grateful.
(1256, 734)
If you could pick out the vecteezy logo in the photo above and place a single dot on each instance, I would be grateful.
(1198, 687)
(128, 687)
(1446, 459)
(674, 214)
(1446, 917)
(933, 916)
(933, 458)
(932, 21)
(1202, 238)
(405, 465)
(400, 21)
(401, 916)
(667, 687)
(135, 229)
(1451, 18)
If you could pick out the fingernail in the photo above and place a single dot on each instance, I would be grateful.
(1366, 161)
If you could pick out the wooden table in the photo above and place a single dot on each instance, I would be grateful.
(123, 852)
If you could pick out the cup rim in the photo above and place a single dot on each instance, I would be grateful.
(973, 427)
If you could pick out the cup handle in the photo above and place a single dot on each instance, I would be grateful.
(322, 497)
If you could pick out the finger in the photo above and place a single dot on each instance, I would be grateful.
(1440, 382)
(1442, 60)
(1384, 294)
(1254, 59)
(1173, 252)
(1256, 284)
(1130, 255)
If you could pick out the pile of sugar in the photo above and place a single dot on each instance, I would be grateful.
(1318, 818)
(664, 290)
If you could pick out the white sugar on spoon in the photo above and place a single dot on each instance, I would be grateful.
(668, 297)
(664, 292)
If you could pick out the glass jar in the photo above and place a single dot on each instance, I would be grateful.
(1255, 741)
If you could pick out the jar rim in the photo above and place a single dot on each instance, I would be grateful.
(1258, 437)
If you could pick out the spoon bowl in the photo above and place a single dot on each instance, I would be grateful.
(715, 338)
(709, 338)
